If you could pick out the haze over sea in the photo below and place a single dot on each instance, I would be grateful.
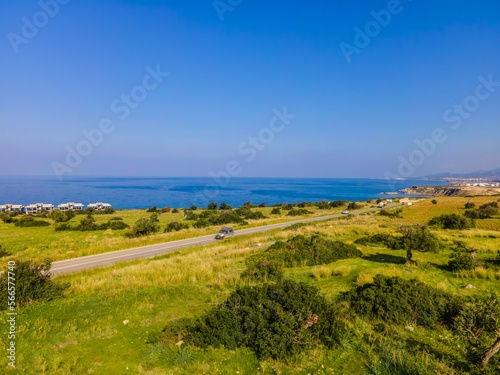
(141, 192)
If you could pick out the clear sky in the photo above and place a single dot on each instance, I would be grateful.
(355, 84)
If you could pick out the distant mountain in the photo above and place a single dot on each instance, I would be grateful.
(493, 174)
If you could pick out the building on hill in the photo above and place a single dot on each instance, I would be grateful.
(36, 208)
(71, 206)
(11, 207)
(98, 206)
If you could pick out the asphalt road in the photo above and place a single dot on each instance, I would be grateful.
(106, 259)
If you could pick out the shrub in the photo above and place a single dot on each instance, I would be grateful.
(273, 320)
(298, 212)
(118, 225)
(469, 205)
(263, 204)
(451, 221)
(175, 210)
(190, 215)
(29, 221)
(323, 205)
(337, 203)
(152, 209)
(175, 226)
(354, 206)
(434, 201)
(478, 323)
(212, 206)
(8, 218)
(87, 224)
(462, 258)
(63, 227)
(276, 211)
(143, 227)
(288, 207)
(224, 206)
(247, 213)
(400, 301)
(310, 251)
(33, 283)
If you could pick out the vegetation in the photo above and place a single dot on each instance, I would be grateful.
(111, 318)
(391, 213)
(400, 301)
(354, 206)
(30, 282)
(451, 221)
(175, 226)
(298, 212)
(418, 238)
(463, 258)
(273, 320)
(29, 221)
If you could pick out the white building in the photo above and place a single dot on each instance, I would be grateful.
(99, 206)
(71, 206)
(11, 207)
(37, 208)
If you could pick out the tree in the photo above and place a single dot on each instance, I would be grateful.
(451, 221)
(212, 206)
(462, 257)
(224, 206)
(418, 238)
(478, 322)
(434, 201)
(353, 206)
(143, 227)
(469, 205)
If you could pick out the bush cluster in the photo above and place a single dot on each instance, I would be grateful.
(485, 211)
(213, 217)
(273, 320)
(247, 214)
(175, 226)
(462, 258)
(392, 214)
(301, 250)
(89, 224)
(144, 227)
(33, 283)
(29, 221)
(451, 221)
(400, 301)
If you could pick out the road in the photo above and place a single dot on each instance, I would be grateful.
(106, 259)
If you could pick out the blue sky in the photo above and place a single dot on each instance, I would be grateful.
(228, 76)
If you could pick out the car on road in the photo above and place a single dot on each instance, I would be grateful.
(224, 233)
(345, 212)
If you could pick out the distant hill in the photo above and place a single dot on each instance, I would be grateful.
(493, 174)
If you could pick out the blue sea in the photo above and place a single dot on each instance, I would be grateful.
(140, 192)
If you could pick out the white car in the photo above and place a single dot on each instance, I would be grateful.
(345, 212)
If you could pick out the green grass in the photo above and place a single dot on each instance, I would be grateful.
(84, 333)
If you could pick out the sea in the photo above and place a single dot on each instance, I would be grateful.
(180, 192)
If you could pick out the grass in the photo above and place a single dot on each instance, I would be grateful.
(84, 333)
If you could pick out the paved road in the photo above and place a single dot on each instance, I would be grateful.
(106, 259)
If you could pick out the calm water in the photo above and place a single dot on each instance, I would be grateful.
(127, 192)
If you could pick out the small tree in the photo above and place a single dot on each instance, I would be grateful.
(478, 323)
(469, 205)
(434, 201)
(212, 206)
(418, 238)
(462, 257)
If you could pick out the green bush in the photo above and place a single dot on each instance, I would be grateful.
(298, 212)
(273, 320)
(143, 227)
(29, 221)
(175, 226)
(190, 215)
(337, 203)
(462, 257)
(434, 201)
(208, 218)
(63, 227)
(469, 205)
(248, 214)
(32, 283)
(301, 250)
(354, 206)
(118, 225)
(451, 221)
(400, 301)
(288, 207)
(276, 211)
(324, 205)
(3, 252)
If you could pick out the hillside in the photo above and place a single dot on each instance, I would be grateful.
(452, 191)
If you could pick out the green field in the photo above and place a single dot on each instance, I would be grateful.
(109, 315)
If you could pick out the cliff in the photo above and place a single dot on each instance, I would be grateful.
(451, 191)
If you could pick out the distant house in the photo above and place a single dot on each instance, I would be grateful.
(11, 207)
(36, 208)
(71, 206)
(98, 206)
(404, 201)
(389, 200)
